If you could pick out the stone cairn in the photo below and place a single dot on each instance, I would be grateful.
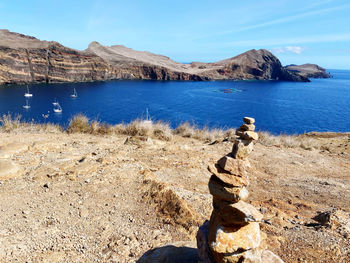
(233, 233)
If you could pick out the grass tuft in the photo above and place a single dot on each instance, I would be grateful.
(9, 122)
(79, 124)
(289, 141)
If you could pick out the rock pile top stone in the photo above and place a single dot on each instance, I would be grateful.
(249, 120)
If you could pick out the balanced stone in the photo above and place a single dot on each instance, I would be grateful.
(236, 167)
(249, 120)
(247, 127)
(240, 133)
(239, 213)
(250, 135)
(249, 256)
(233, 238)
(242, 148)
(222, 191)
(226, 177)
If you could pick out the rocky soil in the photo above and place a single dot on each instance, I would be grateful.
(86, 198)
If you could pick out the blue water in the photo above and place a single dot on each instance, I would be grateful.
(279, 107)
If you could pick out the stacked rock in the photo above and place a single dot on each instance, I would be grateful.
(233, 233)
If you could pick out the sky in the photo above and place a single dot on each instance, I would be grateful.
(296, 31)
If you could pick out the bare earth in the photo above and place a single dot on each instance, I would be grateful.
(85, 198)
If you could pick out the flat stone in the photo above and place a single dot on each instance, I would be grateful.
(234, 238)
(249, 256)
(6, 151)
(222, 191)
(247, 127)
(268, 256)
(226, 177)
(206, 256)
(9, 170)
(250, 135)
(242, 148)
(236, 167)
(249, 120)
(238, 213)
(240, 133)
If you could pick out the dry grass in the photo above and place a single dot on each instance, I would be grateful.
(289, 141)
(139, 127)
(158, 130)
(9, 122)
(81, 124)
(203, 134)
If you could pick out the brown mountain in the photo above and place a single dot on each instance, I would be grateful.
(309, 70)
(26, 59)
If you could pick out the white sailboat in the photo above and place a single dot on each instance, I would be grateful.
(55, 102)
(28, 94)
(75, 94)
(27, 106)
(148, 120)
(58, 108)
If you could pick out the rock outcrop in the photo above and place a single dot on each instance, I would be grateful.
(309, 70)
(253, 64)
(26, 59)
(233, 233)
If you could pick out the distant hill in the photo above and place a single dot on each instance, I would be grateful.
(26, 59)
(309, 70)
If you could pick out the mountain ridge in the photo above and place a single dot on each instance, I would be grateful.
(26, 59)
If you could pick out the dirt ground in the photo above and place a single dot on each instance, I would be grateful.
(85, 198)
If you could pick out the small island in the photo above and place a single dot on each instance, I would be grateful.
(309, 71)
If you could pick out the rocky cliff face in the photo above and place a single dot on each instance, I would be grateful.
(253, 64)
(25, 59)
(309, 70)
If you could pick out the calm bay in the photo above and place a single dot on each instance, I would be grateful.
(279, 107)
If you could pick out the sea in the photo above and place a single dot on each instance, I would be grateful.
(278, 107)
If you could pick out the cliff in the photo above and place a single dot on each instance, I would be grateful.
(253, 64)
(26, 59)
(309, 70)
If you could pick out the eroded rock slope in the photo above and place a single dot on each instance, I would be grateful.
(26, 59)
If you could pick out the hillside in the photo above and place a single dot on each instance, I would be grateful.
(111, 198)
(25, 59)
(309, 70)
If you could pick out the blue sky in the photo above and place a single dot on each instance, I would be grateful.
(306, 31)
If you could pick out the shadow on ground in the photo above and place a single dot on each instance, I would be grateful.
(170, 254)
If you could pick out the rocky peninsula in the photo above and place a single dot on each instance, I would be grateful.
(26, 59)
(309, 71)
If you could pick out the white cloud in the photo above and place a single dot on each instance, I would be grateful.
(289, 49)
